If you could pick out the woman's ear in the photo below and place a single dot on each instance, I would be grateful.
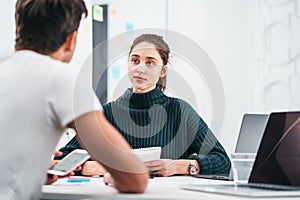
(164, 70)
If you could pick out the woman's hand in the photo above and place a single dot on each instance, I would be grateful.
(92, 168)
(167, 167)
(162, 167)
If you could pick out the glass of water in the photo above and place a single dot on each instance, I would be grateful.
(242, 164)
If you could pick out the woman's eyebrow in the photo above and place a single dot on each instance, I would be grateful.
(149, 57)
(135, 55)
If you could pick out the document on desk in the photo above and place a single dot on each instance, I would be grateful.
(148, 154)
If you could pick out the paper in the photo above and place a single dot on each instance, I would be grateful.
(148, 154)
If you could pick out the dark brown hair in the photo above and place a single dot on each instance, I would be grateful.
(43, 25)
(162, 48)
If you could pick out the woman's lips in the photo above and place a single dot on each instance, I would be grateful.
(139, 78)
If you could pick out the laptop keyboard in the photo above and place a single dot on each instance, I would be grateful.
(269, 187)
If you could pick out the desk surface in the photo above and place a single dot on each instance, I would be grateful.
(158, 188)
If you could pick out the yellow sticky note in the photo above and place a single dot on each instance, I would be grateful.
(98, 13)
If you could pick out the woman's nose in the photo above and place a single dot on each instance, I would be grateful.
(141, 68)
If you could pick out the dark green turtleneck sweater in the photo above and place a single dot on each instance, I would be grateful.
(154, 119)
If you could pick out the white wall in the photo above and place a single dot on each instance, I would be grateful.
(7, 30)
(275, 53)
(221, 28)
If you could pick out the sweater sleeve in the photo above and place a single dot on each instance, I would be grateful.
(70, 146)
(205, 147)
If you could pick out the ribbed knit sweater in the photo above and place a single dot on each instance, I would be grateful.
(153, 119)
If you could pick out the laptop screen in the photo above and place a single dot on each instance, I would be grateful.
(278, 157)
(251, 132)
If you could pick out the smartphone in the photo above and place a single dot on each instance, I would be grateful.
(70, 162)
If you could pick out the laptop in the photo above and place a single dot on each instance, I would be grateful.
(276, 170)
(251, 132)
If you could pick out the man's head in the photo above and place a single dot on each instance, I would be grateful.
(45, 25)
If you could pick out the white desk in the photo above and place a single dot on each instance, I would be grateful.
(158, 188)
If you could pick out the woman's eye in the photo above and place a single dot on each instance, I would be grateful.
(135, 61)
(150, 63)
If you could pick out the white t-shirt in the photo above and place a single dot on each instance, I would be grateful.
(39, 97)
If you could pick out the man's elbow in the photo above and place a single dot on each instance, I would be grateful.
(141, 184)
(136, 184)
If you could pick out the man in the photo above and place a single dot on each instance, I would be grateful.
(40, 96)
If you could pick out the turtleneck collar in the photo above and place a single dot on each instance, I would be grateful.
(144, 100)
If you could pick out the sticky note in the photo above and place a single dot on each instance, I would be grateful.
(113, 12)
(129, 26)
(115, 72)
(97, 13)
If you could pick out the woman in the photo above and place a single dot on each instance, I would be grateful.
(146, 117)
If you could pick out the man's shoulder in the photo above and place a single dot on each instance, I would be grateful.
(31, 60)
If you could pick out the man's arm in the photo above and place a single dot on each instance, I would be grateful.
(108, 147)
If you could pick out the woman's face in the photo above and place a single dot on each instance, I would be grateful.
(145, 67)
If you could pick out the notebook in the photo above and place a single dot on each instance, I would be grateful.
(276, 169)
(250, 134)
